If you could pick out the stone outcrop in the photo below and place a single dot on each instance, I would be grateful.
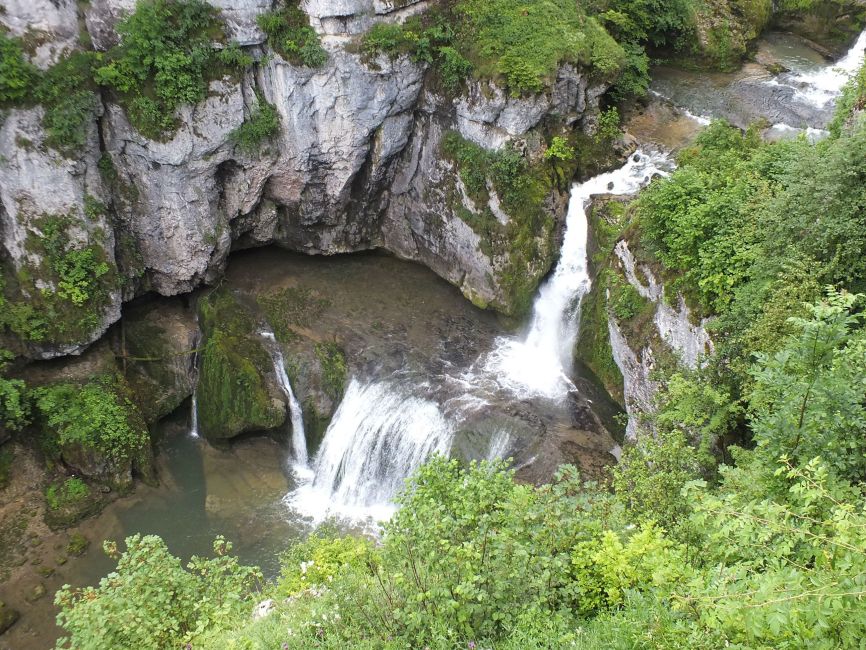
(357, 163)
(672, 331)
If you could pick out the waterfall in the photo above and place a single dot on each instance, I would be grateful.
(499, 443)
(820, 87)
(380, 434)
(299, 438)
(193, 416)
(540, 363)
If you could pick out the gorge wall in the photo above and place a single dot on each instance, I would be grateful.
(356, 165)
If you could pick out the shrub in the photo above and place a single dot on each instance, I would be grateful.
(262, 125)
(234, 57)
(97, 416)
(608, 125)
(290, 35)
(152, 601)
(78, 270)
(162, 60)
(559, 149)
(17, 75)
(14, 401)
(66, 90)
(807, 399)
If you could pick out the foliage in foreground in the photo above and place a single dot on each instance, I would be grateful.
(152, 600)
(766, 552)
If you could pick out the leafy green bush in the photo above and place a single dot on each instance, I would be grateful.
(261, 126)
(807, 399)
(78, 270)
(290, 35)
(17, 75)
(853, 99)
(96, 416)
(67, 493)
(608, 125)
(429, 39)
(559, 149)
(152, 601)
(14, 401)
(162, 61)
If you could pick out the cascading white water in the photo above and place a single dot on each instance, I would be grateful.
(540, 363)
(499, 442)
(301, 463)
(820, 87)
(380, 435)
(193, 416)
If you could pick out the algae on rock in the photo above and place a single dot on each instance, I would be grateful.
(234, 395)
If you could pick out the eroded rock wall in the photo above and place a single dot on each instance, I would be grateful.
(356, 165)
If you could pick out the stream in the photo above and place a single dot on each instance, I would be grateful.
(428, 372)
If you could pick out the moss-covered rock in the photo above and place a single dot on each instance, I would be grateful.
(723, 31)
(606, 217)
(234, 393)
(8, 617)
(68, 501)
(96, 428)
(830, 24)
(156, 348)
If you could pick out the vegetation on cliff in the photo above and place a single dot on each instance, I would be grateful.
(290, 35)
(60, 298)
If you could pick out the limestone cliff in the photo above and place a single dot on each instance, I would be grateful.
(356, 164)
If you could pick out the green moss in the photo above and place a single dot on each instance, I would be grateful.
(593, 347)
(315, 423)
(232, 394)
(77, 544)
(334, 369)
(67, 493)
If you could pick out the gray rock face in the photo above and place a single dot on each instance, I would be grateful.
(51, 26)
(356, 165)
(638, 388)
(690, 342)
